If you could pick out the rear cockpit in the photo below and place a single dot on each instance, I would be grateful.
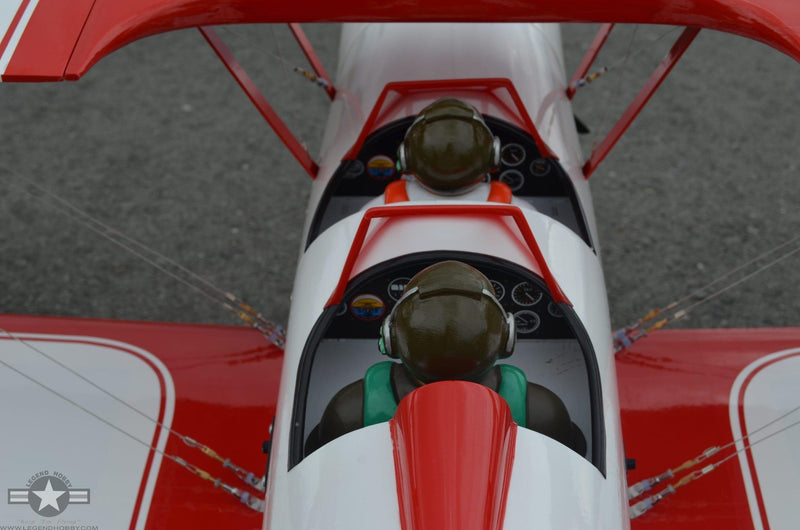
(552, 349)
(537, 179)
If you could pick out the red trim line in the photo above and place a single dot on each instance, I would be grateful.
(455, 210)
(13, 27)
(161, 409)
(486, 85)
(749, 454)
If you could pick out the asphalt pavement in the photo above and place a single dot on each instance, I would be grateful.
(159, 142)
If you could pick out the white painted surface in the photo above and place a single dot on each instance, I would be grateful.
(348, 483)
(530, 55)
(553, 488)
(372, 55)
(575, 266)
(44, 432)
(8, 9)
(771, 392)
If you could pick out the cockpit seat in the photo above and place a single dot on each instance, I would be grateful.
(374, 399)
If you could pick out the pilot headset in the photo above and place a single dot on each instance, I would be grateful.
(388, 327)
(448, 109)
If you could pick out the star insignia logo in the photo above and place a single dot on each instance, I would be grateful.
(48, 495)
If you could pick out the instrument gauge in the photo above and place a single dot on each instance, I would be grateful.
(396, 288)
(540, 167)
(354, 169)
(554, 310)
(512, 155)
(513, 178)
(526, 294)
(526, 321)
(499, 290)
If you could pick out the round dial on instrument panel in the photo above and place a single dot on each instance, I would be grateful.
(512, 155)
(396, 288)
(554, 310)
(540, 167)
(499, 290)
(526, 294)
(515, 179)
(354, 169)
(527, 321)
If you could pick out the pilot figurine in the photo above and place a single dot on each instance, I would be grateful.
(448, 325)
(447, 153)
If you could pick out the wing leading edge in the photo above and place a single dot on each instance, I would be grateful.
(50, 40)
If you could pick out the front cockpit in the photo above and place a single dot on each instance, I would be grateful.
(552, 348)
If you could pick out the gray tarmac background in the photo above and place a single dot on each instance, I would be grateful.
(158, 141)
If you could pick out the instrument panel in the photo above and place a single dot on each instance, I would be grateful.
(372, 295)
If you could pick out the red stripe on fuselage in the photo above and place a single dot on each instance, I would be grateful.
(453, 452)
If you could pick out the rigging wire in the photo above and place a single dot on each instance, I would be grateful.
(694, 293)
(623, 62)
(643, 506)
(310, 76)
(230, 302)
(246, 476)
(590, 78)
(279, 53)
(251, 501)
(645, 485)
(626, 336)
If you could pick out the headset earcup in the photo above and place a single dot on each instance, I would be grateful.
(386, 338)
(495, 152)
(511, 343)
(401, 157)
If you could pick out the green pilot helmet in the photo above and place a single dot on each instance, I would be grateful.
(449, 146)
(448, 324)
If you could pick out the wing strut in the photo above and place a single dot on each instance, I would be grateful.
(658, 76)
(258, 99)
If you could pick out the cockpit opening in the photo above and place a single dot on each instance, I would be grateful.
(552, 351)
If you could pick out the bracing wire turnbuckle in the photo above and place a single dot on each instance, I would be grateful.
(247, 314)
(645, 505)
(247, 477)
(244, 497)
(588, 79)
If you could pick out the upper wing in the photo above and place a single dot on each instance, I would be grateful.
(46, 40)
(684, 391)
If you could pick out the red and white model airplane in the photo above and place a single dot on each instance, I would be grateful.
(115, 413)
